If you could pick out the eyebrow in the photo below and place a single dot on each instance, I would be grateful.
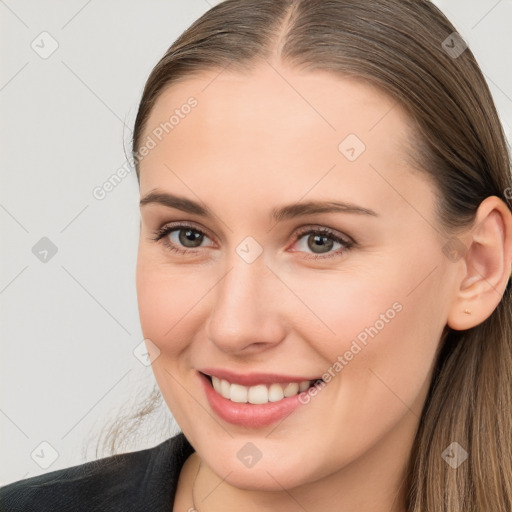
(278, 214)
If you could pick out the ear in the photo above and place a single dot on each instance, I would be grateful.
(485, 266)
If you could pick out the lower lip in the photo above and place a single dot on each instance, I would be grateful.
(245, 414)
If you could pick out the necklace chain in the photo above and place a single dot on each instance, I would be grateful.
(194, 508)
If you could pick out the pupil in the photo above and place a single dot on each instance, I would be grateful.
(321, 239)
(190, 235)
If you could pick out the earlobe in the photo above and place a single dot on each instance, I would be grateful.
(487, 266)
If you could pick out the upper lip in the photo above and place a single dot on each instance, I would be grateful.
(253, 378)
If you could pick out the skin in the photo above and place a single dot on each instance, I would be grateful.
(258, 141)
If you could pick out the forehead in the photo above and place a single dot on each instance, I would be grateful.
(277, 130)
(275, 98)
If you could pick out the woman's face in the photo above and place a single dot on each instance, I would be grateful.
(357, 295)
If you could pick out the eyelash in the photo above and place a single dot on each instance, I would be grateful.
(169, 228)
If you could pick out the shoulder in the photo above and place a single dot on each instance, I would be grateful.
(140, 480)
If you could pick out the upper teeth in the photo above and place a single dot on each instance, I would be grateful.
(260, 394)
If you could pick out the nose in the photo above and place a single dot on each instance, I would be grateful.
(246, 316)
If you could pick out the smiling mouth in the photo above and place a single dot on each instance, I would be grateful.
(260, 393)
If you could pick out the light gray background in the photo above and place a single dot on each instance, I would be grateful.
(69, 325)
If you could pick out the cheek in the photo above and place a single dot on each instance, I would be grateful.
(380, 341)
(166, 301)
(385, 383)
(166, 308)
(342, 311)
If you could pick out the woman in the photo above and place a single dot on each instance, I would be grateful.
(323, 270)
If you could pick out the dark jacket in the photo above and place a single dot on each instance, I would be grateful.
(135, 481)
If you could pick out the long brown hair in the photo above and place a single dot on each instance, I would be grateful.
(402, 47)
